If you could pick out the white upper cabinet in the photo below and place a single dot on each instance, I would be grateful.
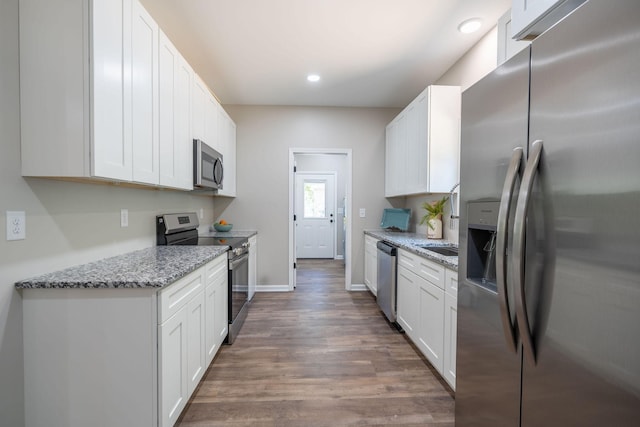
(227, 147)
(198, 103)
(143, 118)
(211, 133)
(530, 18)
(507, 46)
(423, 144)
(100, 113)
(176, 147)
(107, 98)
(204, 114)
(88, 90)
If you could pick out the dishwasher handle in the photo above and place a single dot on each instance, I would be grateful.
(387, 248)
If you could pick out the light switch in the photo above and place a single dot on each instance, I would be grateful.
(363, 212)
(124, 217)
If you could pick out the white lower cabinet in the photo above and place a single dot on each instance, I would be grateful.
(181, 361)
(195, 341)
(426, 312)
(431, 327)
(173, 369)
(407, 302)
(216, 321)
(371, 263)
(450, 333)
(193, 324)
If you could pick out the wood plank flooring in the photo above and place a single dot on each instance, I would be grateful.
(319, 356)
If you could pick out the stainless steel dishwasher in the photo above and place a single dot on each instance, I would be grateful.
(387, 256)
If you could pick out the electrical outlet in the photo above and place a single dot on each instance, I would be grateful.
(363, 212)
(201, 213)
(124, 217)
(16, 225)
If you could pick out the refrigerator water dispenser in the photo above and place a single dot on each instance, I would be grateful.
(481, 244)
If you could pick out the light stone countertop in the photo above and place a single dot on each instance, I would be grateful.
(232, 233)
(153, 267)
(409, 241)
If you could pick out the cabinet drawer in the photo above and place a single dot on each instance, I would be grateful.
(451, 282)
(428, 270)
(215, 267)
(176, 295)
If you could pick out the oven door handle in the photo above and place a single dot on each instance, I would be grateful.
(233, 264)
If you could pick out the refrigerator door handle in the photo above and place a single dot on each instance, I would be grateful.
(518, 259)
(501, 246)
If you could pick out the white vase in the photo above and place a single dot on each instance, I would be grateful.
(434, 229)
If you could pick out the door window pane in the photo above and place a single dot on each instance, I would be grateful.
(314, 199)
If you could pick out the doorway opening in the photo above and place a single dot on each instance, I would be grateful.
(320, 182)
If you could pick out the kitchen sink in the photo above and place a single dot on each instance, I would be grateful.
(446, 250)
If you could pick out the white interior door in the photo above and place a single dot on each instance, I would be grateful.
(315, 201)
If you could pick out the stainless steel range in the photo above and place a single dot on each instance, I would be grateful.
(182, 229)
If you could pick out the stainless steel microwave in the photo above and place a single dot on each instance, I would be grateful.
(208, 171)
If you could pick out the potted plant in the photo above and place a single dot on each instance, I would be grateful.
(433, 217)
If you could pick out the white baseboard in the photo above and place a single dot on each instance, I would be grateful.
(359, 287)
(272, 288)
(339, 257)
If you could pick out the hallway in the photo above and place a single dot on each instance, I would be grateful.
(319, 356)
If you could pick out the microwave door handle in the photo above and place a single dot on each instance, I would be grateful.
(218, 172)
(519, 254)
(501, 247)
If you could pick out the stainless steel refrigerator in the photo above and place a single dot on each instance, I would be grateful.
(549, 267)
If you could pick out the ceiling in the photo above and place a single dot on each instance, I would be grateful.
(369, 53)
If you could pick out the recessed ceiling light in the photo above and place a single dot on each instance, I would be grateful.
(313, 77)
(470, 25)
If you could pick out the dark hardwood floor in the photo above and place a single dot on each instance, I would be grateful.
(319, 356)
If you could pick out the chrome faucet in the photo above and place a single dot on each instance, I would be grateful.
(453, 216)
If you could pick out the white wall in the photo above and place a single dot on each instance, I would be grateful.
(67, 223)
(265, 135)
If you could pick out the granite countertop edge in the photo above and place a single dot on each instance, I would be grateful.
(153, 267)
(228, 234)
(409, 241)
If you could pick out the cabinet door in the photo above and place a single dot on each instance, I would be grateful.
(371, 264)
(198, 106)
(110, 67)
(417, 146)
(172, 365)
(183, 152)
(216, 279)
(144, 96)
(408, 302)
(222, 308)
(196, 352)
(450, 339)
(175, 146)
(209, 326)
(211, 107)
(227, 146)
(431, 327)
(389, 167)
(395, 150)
(443, 138)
